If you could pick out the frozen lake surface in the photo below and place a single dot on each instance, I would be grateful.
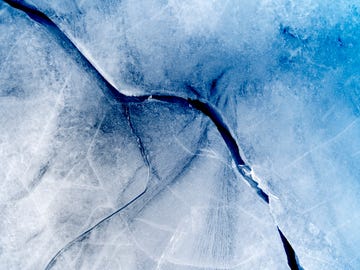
(179, 134)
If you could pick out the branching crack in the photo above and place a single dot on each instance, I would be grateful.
(86, 234)
(112, 93)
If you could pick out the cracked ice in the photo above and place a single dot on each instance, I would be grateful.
(179, 134)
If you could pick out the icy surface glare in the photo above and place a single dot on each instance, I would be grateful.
(94, 180)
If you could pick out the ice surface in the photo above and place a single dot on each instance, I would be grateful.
(203, 217)
(62, 148)
(88, 182)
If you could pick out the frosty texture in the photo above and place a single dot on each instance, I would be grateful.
(89, 181)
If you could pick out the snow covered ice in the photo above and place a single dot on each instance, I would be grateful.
(179, 134)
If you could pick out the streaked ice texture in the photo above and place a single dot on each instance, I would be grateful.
(88, 182)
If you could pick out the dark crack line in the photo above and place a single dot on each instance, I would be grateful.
(290, 253)
(138, 139)
(111, 92)
(41, 172)
(85, 234)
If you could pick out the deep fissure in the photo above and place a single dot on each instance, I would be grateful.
(111, 92)
(290, 253)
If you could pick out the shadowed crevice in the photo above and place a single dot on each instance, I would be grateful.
(290, 253)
